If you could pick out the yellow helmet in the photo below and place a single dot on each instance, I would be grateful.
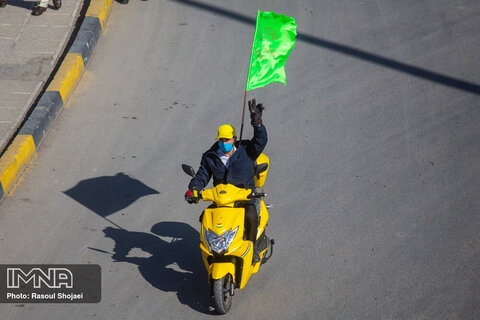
(226, 131)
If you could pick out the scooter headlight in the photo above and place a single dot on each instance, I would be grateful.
(219, 243)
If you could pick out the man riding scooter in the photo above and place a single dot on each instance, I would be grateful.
(232, 161)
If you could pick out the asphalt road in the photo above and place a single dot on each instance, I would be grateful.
(374, 147)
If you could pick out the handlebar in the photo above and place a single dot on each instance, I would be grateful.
(194, 199)
(257, 195)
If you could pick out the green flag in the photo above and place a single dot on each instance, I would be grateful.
(274, 39)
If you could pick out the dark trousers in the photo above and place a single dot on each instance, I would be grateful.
(251, 219)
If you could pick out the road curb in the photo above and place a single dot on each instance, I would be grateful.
(24, 145)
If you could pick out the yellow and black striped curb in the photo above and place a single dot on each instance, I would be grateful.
(28, 139)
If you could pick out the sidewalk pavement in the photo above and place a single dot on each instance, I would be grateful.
(29, 49)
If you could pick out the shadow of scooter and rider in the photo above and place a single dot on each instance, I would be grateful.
(173, 266)
(168, 258)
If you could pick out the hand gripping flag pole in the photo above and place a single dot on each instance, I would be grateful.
(273, 40)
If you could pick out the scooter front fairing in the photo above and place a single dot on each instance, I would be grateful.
(223, 245)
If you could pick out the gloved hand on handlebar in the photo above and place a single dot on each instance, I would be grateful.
(255, 112)
(191, 196)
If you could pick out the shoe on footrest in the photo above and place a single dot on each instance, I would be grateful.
(37, 11)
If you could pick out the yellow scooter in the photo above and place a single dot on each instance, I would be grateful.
(227, 255)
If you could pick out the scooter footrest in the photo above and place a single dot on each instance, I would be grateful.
(269, 252)
(261, 244)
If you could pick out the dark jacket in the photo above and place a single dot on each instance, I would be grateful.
(241, 163)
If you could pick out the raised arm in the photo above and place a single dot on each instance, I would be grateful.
(259, 141)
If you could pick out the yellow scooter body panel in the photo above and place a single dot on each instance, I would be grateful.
(220, 220)
(225, 194)
(205, 254)
(220, 270)
(260, 179)
(263, 218)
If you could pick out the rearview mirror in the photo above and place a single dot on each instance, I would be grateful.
(260, 168)
(188, 170)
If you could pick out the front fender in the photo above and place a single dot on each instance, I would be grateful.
(220, 270)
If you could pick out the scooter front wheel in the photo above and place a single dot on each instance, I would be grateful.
(221, 294)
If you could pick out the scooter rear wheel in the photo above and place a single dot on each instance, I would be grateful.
(221, 294)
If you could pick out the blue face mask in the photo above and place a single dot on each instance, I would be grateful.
(225, 147)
